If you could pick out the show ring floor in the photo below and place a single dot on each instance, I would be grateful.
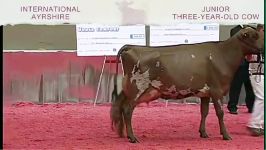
(82, 126)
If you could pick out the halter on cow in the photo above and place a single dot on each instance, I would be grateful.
(202, 70)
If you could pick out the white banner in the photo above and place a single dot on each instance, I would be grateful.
(101, 40)
(130, 12)
(183, 34)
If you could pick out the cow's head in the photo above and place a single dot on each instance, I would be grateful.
(251, 39)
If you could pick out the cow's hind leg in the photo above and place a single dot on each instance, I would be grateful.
(220, 115)
(149, 95)
(204, 109)
(128, 112)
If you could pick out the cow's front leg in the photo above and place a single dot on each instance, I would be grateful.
(128, 111)
(204, 109)
(220, 114)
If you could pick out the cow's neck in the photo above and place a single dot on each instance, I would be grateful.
(234, 48)
(233, 53)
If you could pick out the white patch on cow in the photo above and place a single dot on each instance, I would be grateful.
(205, 88)
(193, 56)
(138, 63)
(172, 89)
(156, 83)
(157, 64)
(142, 80)
(210, 56)
(133, 70)
(191, 78)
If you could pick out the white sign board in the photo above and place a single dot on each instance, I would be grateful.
(183, 34)
(102, 40)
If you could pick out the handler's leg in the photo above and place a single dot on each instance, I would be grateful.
(204, 109)
(220, 114)
(234, 90)
(257, 117)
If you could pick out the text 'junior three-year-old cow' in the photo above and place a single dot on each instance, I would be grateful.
(202, 70)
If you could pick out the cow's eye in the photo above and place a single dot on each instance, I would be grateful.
(245, 35)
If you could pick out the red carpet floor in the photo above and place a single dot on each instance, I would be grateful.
(82, 126)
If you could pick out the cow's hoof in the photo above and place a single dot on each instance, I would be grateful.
(204, 135)
(133, 139)
(227, 137)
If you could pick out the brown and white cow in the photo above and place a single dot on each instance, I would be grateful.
(202, 70)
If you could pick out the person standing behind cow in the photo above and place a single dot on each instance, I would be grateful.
(256, 68)
(241, 76)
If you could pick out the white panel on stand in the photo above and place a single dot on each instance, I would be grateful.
(101, 40)
(183, 34)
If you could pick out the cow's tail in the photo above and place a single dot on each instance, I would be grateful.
(116, 113)
(114, 93)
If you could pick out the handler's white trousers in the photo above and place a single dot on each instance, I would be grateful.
(257, 116)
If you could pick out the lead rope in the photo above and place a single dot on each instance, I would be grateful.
(259, 72)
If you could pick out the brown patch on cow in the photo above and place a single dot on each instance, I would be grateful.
(184, 92)
(125, 84)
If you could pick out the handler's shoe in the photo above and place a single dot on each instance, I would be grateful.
(255, 131)
(233, 112)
